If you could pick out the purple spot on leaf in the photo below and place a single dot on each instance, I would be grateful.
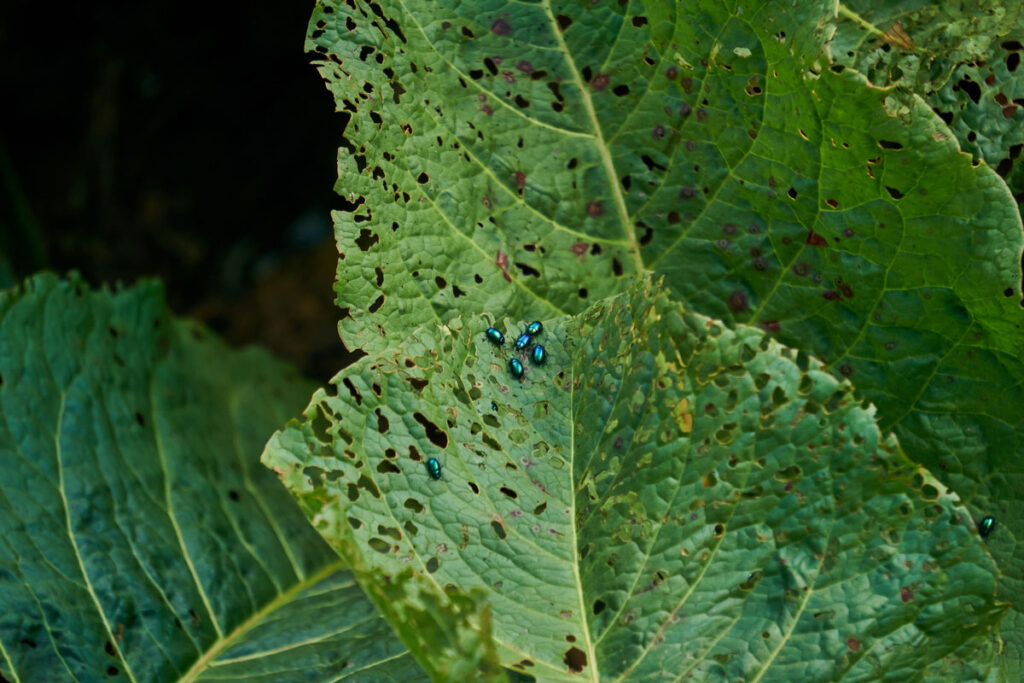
(738, 301)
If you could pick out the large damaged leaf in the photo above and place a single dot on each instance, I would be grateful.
(527, 159)
(663, 497)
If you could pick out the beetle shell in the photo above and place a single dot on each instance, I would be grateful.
(495, 336)
(522, 342)
(515, 368)
(539, 355)
(534, 328)
(986, 525)
(434, 468)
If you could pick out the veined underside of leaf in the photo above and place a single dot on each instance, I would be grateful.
(665, 497)
(527, 159)
(140, 539)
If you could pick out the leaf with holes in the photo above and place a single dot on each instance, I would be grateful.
(974, 84)
(142, 540)
(526, 159)
(984, 106)
(918, 44)
(664, 497)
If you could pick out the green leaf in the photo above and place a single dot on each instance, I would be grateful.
(525, 160)
(665, 496)
(141, 539)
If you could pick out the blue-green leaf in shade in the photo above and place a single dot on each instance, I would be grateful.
(140, 538)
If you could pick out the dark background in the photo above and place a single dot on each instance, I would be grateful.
(192, 142)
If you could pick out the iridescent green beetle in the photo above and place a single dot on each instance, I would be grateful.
(522, 342)
(986, 525)
(534, 328)
(495, 336)
(434, 468)
(515, 368)
(539, 355)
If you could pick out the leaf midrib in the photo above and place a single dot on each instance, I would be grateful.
(224, 642)
(602, 147)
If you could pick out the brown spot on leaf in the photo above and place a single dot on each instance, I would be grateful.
(845, 370)
(600, 82)
(502, 262)
(816, 240)
(520, 180)
(487, 110)
(525, 66)
(501, 28)
(595, 210)
(831, 295)
(579, 249)
(801, 269)
(853, 643)
(906, 595)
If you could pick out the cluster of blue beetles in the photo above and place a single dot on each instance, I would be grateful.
(522, 343)
(515, 368)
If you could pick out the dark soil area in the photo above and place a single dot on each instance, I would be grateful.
(192, 142)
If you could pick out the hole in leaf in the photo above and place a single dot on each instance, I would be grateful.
(388, 467)
(575, 659)
(437, 437)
